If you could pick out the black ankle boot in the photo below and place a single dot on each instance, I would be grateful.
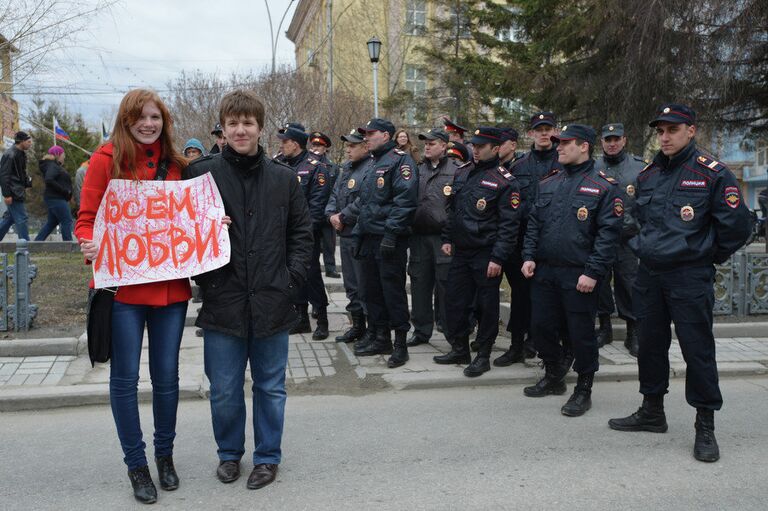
(604, 333)
(705, 448)
(515, 354)
(459, 353)
(143, 488)
(166, 472)
(581, 399)
(321, 332)
(553, 382)
(400, 354)
(381, 344)
(356, 331)
(303, 326)
(649, 417)
(478, 366)
(632, 343)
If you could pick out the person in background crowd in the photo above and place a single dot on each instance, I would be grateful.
(140, 148)
(58, 193)
(403, 141)
(193, 149)
(319, 144)
(79, 179)
(247, 308)
(624, 168)
(343, 216)
(221, 140)
(458, 151)
(14, 182)
(455, 132)
(691, 217)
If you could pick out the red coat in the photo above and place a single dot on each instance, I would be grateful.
(96, 179)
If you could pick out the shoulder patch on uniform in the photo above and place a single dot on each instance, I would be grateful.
(608, 178)
(504, 172)
(405, 172)
(710, 164)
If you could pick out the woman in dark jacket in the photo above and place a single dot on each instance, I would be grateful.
(58, 192)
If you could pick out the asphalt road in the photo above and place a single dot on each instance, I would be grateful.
(467, 448)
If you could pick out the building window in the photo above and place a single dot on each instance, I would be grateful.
(511, 33)
(416, 17)
(415, 80)
(460, 22)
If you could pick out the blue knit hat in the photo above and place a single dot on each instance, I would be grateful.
(193, 143)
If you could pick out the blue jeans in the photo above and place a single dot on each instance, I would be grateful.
(15, 214)
(164, 327)
(58, 214)
(225, 359)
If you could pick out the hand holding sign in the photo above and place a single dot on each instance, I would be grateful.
(147, 231)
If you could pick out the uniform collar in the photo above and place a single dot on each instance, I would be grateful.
(545, 154)
(242, 161)
(667, 163)
(616, 158)
(581, 167)
(380, 151)
(296, 159)
(487, 164)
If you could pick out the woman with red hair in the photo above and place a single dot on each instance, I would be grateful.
(141, 141)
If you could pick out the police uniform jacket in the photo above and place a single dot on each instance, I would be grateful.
(575, 221)
(333, 169)
(529, 169)
(313, 175)
(690, 211)
(624, 168)
(389, 194)
(345, 192)
(484, 210)
(435, 186)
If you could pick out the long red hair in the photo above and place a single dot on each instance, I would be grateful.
(124, 145)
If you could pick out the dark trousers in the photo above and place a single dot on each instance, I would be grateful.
(557, 303)
(314, 290)
(58, 214)
(624, 272)
(467, 284)
(15, 214)
(329, 247)
(352, 275)
(428, 268)
(520, 299)
(686, 297)
(385, 294)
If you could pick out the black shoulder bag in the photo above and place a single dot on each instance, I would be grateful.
(100, 308)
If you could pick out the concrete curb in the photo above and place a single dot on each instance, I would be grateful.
(43, 347)
(14, 399)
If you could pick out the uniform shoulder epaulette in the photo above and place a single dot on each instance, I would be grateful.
(551, 173)
(608, 178)
(710, 163)
(281, 163)
(648, 166)
(399, 151)
(504, 172)
(640, 159)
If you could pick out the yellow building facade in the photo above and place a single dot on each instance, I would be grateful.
(9, 109)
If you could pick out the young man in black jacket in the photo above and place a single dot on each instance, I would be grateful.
(14, 182)
(247, 305)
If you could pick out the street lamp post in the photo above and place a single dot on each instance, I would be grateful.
(374, 50)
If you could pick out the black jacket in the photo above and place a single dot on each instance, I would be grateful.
(624, 168)
(389, 194)
(435, 186)
(271, 240)
(13, 174)
(690, 211)
(58, 182)
(575, 221)
(315, 180)
(484, 210)
(529, 169)
(345, 192)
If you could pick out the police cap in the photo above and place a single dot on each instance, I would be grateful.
(615, 129)
(540, 118)
(488, 135)
(353, 137)
(378, 124)
(320, 139)
(675, 113)
(294, 134)
(434, 134)
(574, 131)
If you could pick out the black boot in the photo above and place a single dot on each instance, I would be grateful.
(553, 382)
(169, 480)
(416, 340)
(649, 417)
(581, 399)
(604, 333)
(515, 353)
(381, 344)
(459, 353)
(332, 274)
(356, 331)
(303, 326)
(143, 488)
(632, 343)
(400, 354)
(474, 346)
(366, 339)
(321, 332)
(705, 448)
(481, 364)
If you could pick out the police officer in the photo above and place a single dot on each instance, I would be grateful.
(508, 150)
(458, 152)
(343, 217)
(528, 169)
(691, 216)
(570, 243)
(387, 203)
(624, 168)
(319, 144)
(481, 233)
(427, 264)
(221, 141)
(313, 176)
(455, 132)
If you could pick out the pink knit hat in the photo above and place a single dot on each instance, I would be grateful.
(56, 150)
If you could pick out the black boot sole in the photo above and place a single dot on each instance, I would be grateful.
(706, 459)
(321, 336)
(575, 413)
(373, 353)
(647, 427)
(549, 392)
(453, 362)
(396, 363)
(499, 362)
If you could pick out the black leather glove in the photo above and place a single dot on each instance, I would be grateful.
(387, 247)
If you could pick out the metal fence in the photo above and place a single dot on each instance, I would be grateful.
(19, 277)
(741, 284)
